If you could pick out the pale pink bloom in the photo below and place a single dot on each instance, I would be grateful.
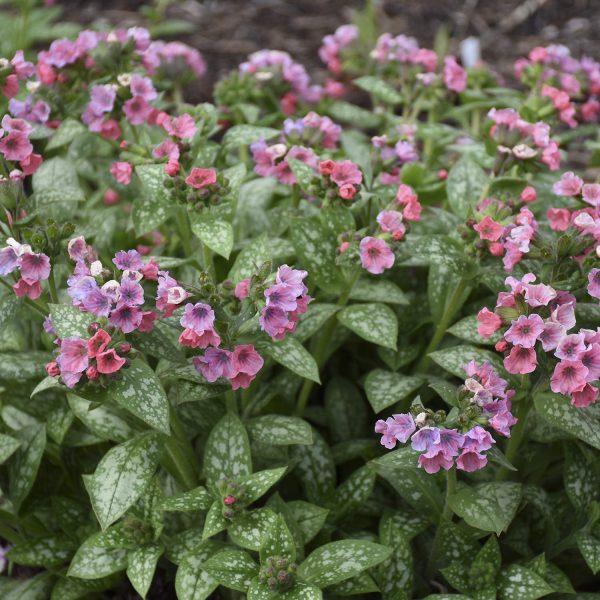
(182, 127)
(569, 376)
(591, 194)
(73, 355)
(455, 77)
(375, 255)
(346, 172)
(570, 347)
(593, 287)
(568, 185)
(488, 323)
(122, 171)
(525, 331)
(529, 194)
(242, 289)
(390, 221)
(248, 362)
(434, 462)
(560, 218)
(539, 295)
(590, 359)
(34, 267)
(552, 334)
(16, 146)
(470, 461)
(520, 360)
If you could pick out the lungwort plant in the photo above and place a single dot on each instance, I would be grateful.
(320, 339)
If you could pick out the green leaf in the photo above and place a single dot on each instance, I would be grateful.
(234, 569)
(455, 359)
(121, 477)
(157, 342)
(103, 420)
(154, 205)
(336, 561)
(346, 410)
(466, 329)
(304, 173)
(396, 572)
(244, 135)
(257, 484)
(519, 583)
(215, 522)
(36, 588)
(25, 462)
(56, 182)
(140, 392)
(299, 591)
(254, 255)
(359, 585)
(290, 353)
(278, 542)
(23, 365)
(216, 233)
(354, 491)
(376, 323)
(8, 446)
(9, 305)
(192, 582)
(580, 479)
(589, 546)
(350, 113)
(377, 290)
(93, 561)
(43, 552)
(313, 320)
(280, 430)
(227, 451)
(379, 89)
(465, 185)
(309, 517)
(408, 523)
(557, 410)
(68, 130)
(385, 388)
(250, 530)
(141, 567)
(197, 499)
(487, 506)
(402, 458)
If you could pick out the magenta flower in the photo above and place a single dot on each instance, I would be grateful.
(346, 172)
(137, 110)
(131, 292)
(593, 287)
(248, 362)
(201, 178)
(122, 172)
(198, 317)
(109, 362)
(375, 255)
(128, 260)
(454, 76)
(98, 343)
(568, 185)
(488, 229)
(525, 331)
(242, 289)
(215, 363)
(570, 347)
(569, 376)
(126, 318)
(470, 461)
(488, 323)
(520, 360)
(16, 146)
(34, 267)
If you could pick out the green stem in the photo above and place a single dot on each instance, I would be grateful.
(52, 286)
(9, 534)
(516, 436)
(179, 454)
(207, 260)
(451, 310)
(183, 225)
(445, 516)
(320, 352)
(230, 402)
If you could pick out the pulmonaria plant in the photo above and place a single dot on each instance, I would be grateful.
(206, 308)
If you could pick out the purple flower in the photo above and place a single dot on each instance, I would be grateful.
(102, 99)
(282, 296)
(525, 331)
(142, 87)
(9, 260)
(570, 346)
(215, 363)
(131, 292)
(129, 260)
(198, 317)
(126, 318)
(425, 439)
(34, 267)
(97, 301)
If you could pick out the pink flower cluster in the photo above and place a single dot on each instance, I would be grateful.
(20, 69)
(16, 147)
(395, 150)
(179, 129)
(403, 49)
(333, 45)
(344, 174)
(91, 358)
(540, 317)
(33, 268)
(312, 130)
(272, 161)
(523, 140)
(286, 299)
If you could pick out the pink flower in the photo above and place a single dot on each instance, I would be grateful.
(454, 76)
(126, 318)
(539, 295)
(375, 255)
(390, 221)
(16, 146)
(570, 347)
(73, 355)
(591, 194)
(142, 87)
(182, 127)
(147, 323)
(590, 359)
(560, 218)
(569, 376)
(520, 360)
(248, 362)
(198, 317)
(529, 194)
(488, 229)
(137, 110)
(551, 336)
(128, 260)
(215, 363)
(426, 439)
(31, 290)
(122, 171)
(109, 362)
(242, 289)
(488, 323)
(98, 343)
(201, 178)
(593, 287)
(568, 185)
(282, 296)
(275, 321)
(346, 172)
(34, 267)
(209, 337)
(583, 398)
(432, 463)
(396, 428)
(470, 461)
(347, 191)
(525, 331)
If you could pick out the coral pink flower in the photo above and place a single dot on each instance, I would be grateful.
(375, 255)
(569, 376)
(525, 331)
(73, 355)
(488, 229)
(209, 337)
(122, 171)
(529, 194)
(520, 361)
(488, 323)
(201, 178)
(137, 110)
(31, 290)
(248, 362)
(346, 172)
(583, 398)
(109, 362)
(98, 343)
(347, 191)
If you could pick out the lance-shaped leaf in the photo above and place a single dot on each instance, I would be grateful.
(257, 484)
(139, 391)
(309, 517)
(227, 451)
(9, 305)
(70, 321)
(377, 290)
(299, 591)
(290, 353)
(278, 542)
(313, 320)
(141, 567)
(396, 572)
(280, 430)
(93, 560)
(216, 233)
(336, 561)
(580, 479)
(465, 185)
(455, 359)
(35, 588)
(250, 530)
(589, 546)
(192, 582)
(376, 323)
(304, 173)
(379, 89)
(487, 506)
(234, 569)
(196, 499)
(385, 388)
(466, 329)
(243, 135)
(519, 583)
(8, 446)
(354, 491)
(43, 552)
(153, 206)
(215, 522)
(121, 477)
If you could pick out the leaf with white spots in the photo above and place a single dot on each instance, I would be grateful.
(141, 567)
(336, 561)
(8, 446)
(197, 499)
(376, 323)
(227, 451)
(153, 206)
(408, 523)
(299, 591)
(350, 113)
(122, 476)
(55, 184)
(487, 506)
(234, 569)
(36, 588)
(278, 542)
(92, 561)
(23, 365)
(354, 491)
(139, 391)
(257, 484)
(312, 321)
(215, 522)
(9, 305)
(379, 89)
(215, 233)
(157, 342)
(385, 388)
(589, 546)
(250, 530)
(309, 517)
(235, 175)
(580, 479)
(290, 353)
(280, 430)
(370, 289)
(192, 582)
(24, 463)
(43, 552)
(557, 410)
(71, 588)
(244, 135)
(465, 185)
(304, 173)
(316, 469)
(395, 572)
(519, 583)
(362, 583)
(466, 329)
(68, 130)
(424, 250)
(259, 251)
(402, 458)
(455, 358)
